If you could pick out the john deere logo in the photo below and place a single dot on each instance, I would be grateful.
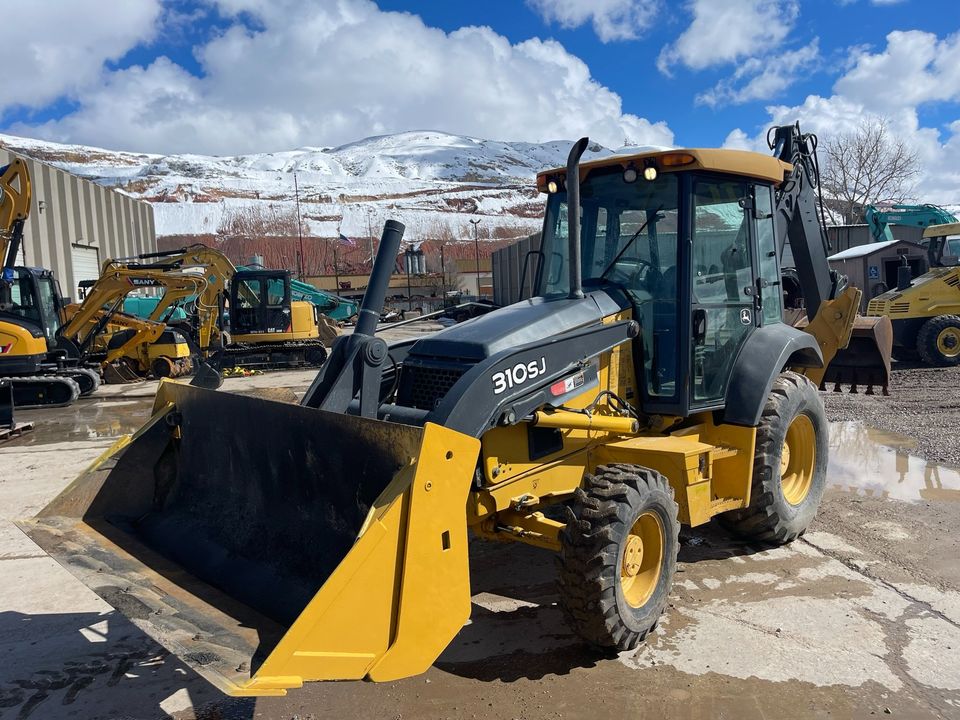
(745, 317)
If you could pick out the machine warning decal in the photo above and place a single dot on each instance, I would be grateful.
(562, 387)
(745, 316)
(518, 374)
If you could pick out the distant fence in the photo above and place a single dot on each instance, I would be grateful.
(510, 282)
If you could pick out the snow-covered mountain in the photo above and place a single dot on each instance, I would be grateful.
(433, 182)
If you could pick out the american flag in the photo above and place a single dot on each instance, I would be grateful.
(347, 240)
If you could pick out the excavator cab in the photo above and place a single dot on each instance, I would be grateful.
(260, 302)
(35, 299)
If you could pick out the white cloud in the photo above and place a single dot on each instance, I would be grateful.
(611, 19)
(764, 77)
(723, 31)
(56, 47)
(323, 73)
(915, 67)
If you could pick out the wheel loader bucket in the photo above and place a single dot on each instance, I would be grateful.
(268, 544)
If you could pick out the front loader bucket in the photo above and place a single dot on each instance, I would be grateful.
(865, 362)
(268, 544)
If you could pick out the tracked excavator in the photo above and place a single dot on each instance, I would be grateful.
(650, 383)
(129, 348)
(245, 317)
(41, 373)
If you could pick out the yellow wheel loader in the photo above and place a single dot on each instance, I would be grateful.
(650, 383)
(925, 311)
(31, 311)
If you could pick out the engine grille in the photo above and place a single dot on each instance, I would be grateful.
(423, 387)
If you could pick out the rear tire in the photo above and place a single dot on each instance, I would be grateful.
(618, 555)
(789, 466)
(938, 341)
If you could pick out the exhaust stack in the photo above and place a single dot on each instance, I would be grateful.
(573, 215)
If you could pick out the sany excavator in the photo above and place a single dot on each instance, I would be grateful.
(130, 348)
(651, 382)
(268, 328)
(31, 312)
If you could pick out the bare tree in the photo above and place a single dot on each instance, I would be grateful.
(868, 166)
(257, 221)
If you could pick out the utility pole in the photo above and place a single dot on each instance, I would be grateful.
(408, 259)
(296, 193)
(476, 246)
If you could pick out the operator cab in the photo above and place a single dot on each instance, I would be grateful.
(691, 253)
(260, 302)
(943, 244)
(35, 300)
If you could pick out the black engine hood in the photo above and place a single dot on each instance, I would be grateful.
(519, 324)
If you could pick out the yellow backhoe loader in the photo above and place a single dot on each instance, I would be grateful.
(650, 383)
(41, 373)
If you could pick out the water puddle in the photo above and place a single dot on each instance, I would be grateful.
(86, 419)
(879, 464)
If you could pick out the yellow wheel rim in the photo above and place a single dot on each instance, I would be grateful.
(797, 460)
(948, 342)
(642, 559)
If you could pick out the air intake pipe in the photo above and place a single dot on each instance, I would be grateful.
(573, 215)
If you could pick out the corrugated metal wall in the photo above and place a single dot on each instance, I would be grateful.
(75, 211)
(508, 264)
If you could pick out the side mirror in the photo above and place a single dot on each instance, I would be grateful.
(699, 327)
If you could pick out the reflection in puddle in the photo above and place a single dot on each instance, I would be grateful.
(878, 464)
(87, 419)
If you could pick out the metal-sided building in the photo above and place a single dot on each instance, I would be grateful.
(873, 267)
(75, 225)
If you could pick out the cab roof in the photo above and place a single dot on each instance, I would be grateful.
(942, 230)
(731, 162)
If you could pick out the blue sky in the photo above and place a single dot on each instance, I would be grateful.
(240, 76)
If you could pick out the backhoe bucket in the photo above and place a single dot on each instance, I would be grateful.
(865, 362)
(856, 349)
(267, 544)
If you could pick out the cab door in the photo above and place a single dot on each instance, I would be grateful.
(723, 267)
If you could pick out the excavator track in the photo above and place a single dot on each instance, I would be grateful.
(87, 379)
(275, 355)
(42, 391)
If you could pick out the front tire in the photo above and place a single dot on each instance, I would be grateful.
(938, 341)
(618, 555)
(789, 466)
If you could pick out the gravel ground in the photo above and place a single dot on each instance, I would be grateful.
(924, 403)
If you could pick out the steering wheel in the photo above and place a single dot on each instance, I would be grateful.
(630, 278)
